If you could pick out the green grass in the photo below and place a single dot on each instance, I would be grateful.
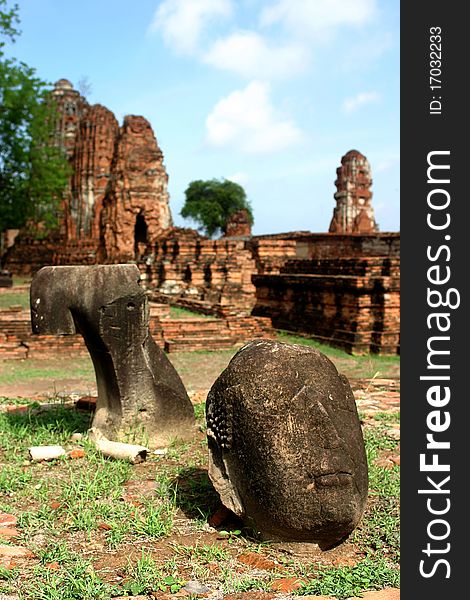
(178, 312)
(146, 576)
(204, 553)
(52, 427)
(14, 299)
(74, 580)
(367, 366)
(91, 512)
(346, 582)
(16, 371)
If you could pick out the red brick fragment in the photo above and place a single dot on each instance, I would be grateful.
(79, 453)
(286, 585)
(7, 520)
(9, 532)
(16, 551)
(219, 516)
(257, 561)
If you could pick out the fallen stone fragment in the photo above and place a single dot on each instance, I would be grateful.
(161, 451)
(39, 453)
(286, 585)
(16, 408)
(195, 587)
(393, 433)
(220, 515)
(138, 387)
(16, 552)
(86, 403)
(118, 450)
(286, 452)
(7, 520)
(9, 532)
(258, 561)
(79, 453)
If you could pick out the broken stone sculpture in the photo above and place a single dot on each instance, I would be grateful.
(139, 391)
(286, 452)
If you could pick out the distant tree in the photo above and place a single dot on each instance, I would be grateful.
(33, 169)
(211, 204)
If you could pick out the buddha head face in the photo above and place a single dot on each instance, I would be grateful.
(285, 444)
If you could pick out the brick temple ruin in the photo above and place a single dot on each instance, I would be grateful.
(340, 287)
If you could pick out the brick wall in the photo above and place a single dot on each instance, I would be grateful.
(354, 305)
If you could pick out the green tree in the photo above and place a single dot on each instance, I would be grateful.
(33, 169)
(211, 204)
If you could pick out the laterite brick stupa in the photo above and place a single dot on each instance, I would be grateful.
(116, 201)
(341, 287)
(353, 212)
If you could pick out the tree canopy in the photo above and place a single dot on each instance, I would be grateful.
(33, 169)
(211, 204)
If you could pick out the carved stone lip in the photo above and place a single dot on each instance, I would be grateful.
(339, 479)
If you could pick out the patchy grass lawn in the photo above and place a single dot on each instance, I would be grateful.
(13, 298)
(198, 370)
(99, 528)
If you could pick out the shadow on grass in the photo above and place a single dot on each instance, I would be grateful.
(196, 497)
(194, 493)
(44, 425)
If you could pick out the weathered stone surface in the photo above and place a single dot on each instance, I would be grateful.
(93, 153)
(136, 206)
(6, 280)
(353, 212)
(286, 451)
(239, 224)
(138, 388)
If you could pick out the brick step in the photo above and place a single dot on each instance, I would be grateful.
(18, 353)
(196, 327)
(11, 348)
(189, 343)
(16, 331)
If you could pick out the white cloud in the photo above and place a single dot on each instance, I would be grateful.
(240, 177)
(352, 104)
(182, 22)
(318, 18)
(246, 120)
(248, 54)
(368, 51)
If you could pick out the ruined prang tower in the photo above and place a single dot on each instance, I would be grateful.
(117, 195)
(353, 212)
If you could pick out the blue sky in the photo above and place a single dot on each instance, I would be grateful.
(269, 93)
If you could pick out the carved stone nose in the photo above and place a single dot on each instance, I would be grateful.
(138, 387)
